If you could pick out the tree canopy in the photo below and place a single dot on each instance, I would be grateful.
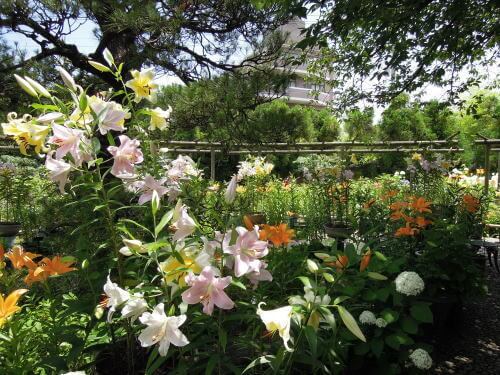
(379, 49)
(190, 39)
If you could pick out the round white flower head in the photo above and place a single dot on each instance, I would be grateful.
(381, 323)
(421, 359)
(409, 283)
(367, 317)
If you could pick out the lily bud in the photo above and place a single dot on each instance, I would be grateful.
(67, 79)
(25, 86)
(38, 87)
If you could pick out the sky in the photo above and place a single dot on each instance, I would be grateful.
(84, 38)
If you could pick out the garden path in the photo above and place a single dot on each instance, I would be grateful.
(475, 348)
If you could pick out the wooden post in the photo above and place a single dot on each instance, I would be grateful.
(212, 164)
(486, 168)
(498, 170)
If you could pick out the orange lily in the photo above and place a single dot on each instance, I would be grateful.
(421, 205)
(341, 262)
(8, 306)
(398, 206)
(54, 266)
(2, 252)
(32, 278)
(396, 215)
(266, 232)
(20, 258)
(471, 203)
(406, 231)
(365, 261)
(389, 194)
(281, 235)
(422, 222)
(277, 234)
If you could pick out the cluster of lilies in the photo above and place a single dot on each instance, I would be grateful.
(471, 203)
(413, 214)
(37, 271)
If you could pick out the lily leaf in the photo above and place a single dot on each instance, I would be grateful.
(350, 323)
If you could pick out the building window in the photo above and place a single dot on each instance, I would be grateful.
(318, 87)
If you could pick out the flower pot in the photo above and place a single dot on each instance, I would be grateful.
(296, 221)
(340, 231)
(257, 218)
(9, 229)
(447, 312)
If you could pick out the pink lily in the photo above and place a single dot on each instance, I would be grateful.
(110, 115)
(68, 141)
(126, 155)
(247, 251)
(259, 274)
(183, 223)
(150, 185)
(209, 290)
(59, 170)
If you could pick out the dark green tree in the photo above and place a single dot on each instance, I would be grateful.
(220, 109)
(359, 124)
(439, 118)
(404, 121)
(326, 126)
(480, 115)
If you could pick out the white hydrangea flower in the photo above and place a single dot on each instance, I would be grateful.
(367, 317)
(381, 323)
(409, 283)
(421, 359)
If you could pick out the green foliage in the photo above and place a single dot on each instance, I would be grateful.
(404, 121)
(481, 114)
(52, 336)
(402, 48)
(278, 122)
(359, 124)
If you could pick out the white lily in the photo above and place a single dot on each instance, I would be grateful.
(134, 306)
(162, 329)
(116, 297)
(277, 320)
(59, 170)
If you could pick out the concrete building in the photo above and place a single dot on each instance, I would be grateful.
(301, 90)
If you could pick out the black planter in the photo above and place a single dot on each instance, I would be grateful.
(447, 317)
(9, 229)
(340, 231)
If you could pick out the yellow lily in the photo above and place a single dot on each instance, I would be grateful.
(176, 271)
(416, 156)
(25, 133)
(8, 306)
(142, 84)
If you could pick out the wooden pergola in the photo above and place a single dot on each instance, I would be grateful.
(380, 147)
(449, 145)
